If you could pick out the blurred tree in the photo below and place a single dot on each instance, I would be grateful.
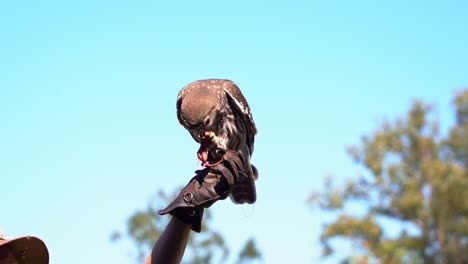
(250, 252)
(413, 195)
(145, 226)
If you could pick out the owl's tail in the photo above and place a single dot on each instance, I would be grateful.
(244, 190)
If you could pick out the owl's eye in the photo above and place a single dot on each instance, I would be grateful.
(207, 122)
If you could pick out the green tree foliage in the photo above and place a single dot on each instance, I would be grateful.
(414, 181)
(250, 252)
(145, 226)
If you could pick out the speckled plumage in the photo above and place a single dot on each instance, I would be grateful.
(218, 105)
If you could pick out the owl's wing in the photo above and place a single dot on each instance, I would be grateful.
(241, 109)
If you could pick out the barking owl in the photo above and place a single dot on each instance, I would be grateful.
(217, 116)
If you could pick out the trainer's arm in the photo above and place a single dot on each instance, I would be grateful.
(171, 244)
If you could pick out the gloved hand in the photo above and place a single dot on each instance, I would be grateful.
(208, 186)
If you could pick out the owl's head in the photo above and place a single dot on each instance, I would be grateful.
(200, 108)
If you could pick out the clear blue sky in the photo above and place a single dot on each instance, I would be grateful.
(88, 130)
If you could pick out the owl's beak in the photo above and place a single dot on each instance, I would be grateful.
(207, 135)
(207, 139)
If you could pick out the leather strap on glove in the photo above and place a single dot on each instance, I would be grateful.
(208, 186)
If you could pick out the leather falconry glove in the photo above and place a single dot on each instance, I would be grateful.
(205, 188)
